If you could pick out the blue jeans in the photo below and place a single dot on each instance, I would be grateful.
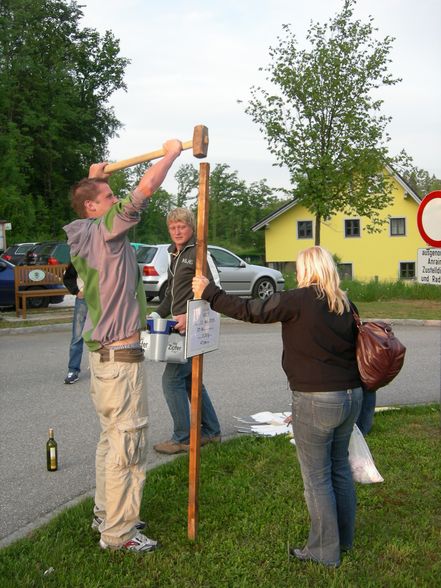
(366, 418)
(76, 342)
(322, 425)
(176, 385)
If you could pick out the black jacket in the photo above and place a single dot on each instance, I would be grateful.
(181, 270)
(318, 345)
(70, 279)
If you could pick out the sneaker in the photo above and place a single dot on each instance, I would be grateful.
(96, 522)
(206, 440)
(71, 378)
(138, 543)
(170, 447)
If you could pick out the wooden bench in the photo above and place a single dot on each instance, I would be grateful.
(30, 279)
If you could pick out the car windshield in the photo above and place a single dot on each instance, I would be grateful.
(146, 254)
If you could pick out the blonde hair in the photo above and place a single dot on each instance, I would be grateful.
(315, 267)
(183, 215)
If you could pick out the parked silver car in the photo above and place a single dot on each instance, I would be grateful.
(236, 276)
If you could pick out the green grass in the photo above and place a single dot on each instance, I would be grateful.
(250, 506)
(401, 309)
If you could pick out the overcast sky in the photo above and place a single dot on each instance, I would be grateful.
(191, 61)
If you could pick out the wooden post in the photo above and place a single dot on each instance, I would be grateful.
(197, 361)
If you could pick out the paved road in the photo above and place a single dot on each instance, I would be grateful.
(243, 377)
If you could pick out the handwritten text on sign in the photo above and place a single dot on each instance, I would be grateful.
(203, 327)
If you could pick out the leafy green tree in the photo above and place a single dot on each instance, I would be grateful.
(187, 178)
(323, 118)
(422, 181)
(55, 81)
(235, 207)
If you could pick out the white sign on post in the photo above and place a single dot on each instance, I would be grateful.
(202, 329)
(429, 266)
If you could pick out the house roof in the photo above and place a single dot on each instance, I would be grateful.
(408, 190)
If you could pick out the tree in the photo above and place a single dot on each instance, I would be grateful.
(187, 178)
(323, 120)
(55, 81)
(421, 181)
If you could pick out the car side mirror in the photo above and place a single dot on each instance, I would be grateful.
(242, 264)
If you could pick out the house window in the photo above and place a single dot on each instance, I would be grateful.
(352, 227)
(304, 229)
(407, 270)
(344, 271)
(397, 227)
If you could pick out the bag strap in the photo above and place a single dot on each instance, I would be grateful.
(356, 316)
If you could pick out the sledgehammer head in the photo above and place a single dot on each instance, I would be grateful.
(200, 141)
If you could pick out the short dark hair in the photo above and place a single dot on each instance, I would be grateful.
(85, 189)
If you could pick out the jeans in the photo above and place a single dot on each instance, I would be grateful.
(366, 418)
(322, 425)
(176, 385)
(76, 342)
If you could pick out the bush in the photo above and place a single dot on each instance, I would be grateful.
(377, 291)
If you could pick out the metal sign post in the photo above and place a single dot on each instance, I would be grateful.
(197, 361)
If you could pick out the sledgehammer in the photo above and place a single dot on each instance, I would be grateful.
(199, 145)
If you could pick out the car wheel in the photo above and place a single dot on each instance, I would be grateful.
(37, 302)
(162, 292)
(263, 288)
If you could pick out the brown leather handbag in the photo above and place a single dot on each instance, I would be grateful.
(380, 355)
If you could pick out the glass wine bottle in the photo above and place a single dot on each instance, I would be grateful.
(51, 452)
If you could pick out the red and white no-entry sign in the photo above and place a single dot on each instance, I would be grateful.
(429, 218)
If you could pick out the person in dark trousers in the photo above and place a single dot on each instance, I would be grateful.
(366, 418)
(75, 287)
(319, 336)
(176, 379)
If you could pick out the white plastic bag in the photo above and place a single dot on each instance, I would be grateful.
(360, 459)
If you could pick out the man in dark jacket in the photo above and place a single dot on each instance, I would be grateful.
(75, 287)
(176, 379)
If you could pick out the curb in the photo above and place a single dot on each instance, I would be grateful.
(36, 329)
(68, 325)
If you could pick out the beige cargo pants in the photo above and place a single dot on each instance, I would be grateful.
(120, 397)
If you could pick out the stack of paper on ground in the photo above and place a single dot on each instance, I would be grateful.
(266, 423)
(270, 424)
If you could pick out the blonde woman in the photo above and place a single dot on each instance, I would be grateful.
(319, 336)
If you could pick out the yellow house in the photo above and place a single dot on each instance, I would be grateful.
(389, 255)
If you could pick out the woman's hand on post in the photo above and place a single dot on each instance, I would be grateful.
(199, 284)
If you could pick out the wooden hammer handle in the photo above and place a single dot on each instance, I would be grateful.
(113, 167)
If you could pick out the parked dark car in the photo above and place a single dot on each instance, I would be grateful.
(16, 253)
(48, 252)
(7, 289)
